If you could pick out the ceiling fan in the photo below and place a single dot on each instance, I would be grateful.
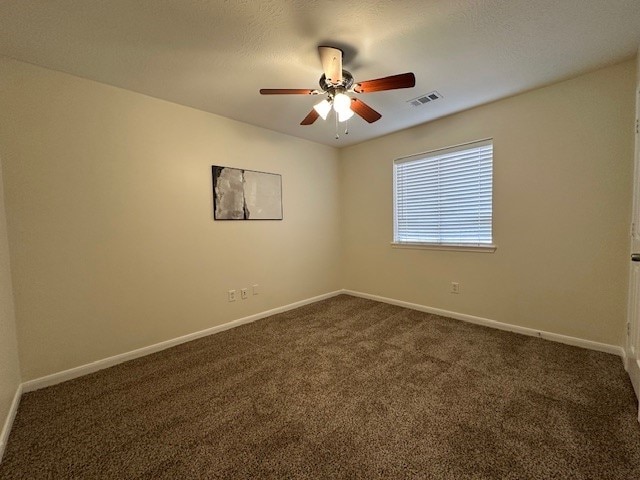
(337, 84)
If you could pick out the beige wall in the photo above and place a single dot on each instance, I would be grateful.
(113, 246)
(562, 197)
(109, 207)
(9, 368)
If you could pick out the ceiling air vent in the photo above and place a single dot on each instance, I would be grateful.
(426, 98)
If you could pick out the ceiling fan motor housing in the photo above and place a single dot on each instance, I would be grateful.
(346, 83)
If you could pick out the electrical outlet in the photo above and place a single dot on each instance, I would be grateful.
(455, 287)
(232, 295)
(244, 293)
(256, 288)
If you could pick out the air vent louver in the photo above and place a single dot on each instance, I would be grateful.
(426, 98)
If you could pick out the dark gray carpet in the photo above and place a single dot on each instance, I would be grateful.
(343, 388)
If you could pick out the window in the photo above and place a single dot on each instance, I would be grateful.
(444, 198)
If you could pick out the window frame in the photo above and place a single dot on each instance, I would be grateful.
(486, 248)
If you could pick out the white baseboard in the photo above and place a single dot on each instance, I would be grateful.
(71, 373)
(79, 371)
(555, 337)
(65, 375)
(632, 366)
(8, 423)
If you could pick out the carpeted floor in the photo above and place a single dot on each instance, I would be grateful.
(343, 388)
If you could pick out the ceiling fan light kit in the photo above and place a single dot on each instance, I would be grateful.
(336, 84)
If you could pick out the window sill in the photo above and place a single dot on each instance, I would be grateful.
(436, 246)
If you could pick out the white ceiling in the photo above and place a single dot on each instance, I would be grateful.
(215, 55)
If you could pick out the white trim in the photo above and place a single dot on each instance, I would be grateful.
(65, 375)
(555, 337)
(445, 246)
(75, 372)
(632, 366)
(8, 423)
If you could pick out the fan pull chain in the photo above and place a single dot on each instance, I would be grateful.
(336, 116)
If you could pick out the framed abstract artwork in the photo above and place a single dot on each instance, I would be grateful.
(246, 194)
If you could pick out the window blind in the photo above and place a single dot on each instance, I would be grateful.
(445, 197)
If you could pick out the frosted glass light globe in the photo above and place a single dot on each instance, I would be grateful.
(345, 115)
(341, 103)
(323, 108)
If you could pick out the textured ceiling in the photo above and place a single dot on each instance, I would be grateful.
(216, 55)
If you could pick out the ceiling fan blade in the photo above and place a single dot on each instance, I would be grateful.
(364, 110)
(286, 91)
(331, 59)
(309, 119)
(403, 80)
